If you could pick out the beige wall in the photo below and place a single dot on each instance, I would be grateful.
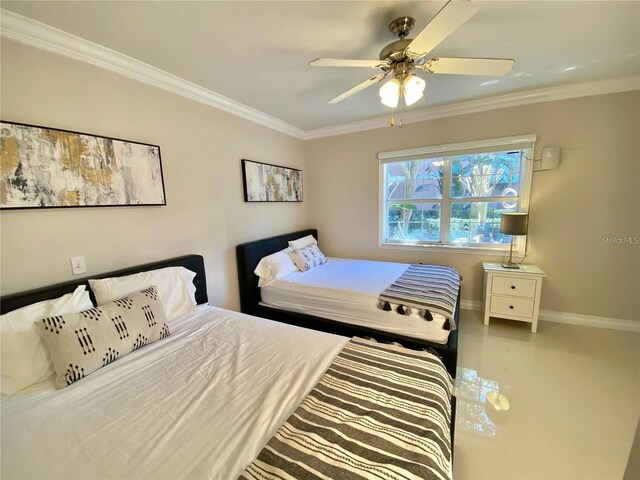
(632, 472)
(201, 150)
(594, 194)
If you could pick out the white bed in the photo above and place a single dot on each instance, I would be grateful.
(209, 396)
(347, 290)
(205, 392)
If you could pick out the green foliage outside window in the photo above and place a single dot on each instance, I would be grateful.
(472, 177)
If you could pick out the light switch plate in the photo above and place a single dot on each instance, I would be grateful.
(78, 265)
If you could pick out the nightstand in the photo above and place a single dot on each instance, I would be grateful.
(512, 293)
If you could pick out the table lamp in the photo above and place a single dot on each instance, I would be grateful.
(513, 224)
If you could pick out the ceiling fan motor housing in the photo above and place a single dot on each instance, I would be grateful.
(395, 53)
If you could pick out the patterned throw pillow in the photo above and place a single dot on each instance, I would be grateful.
(308, 257)
(81, 343)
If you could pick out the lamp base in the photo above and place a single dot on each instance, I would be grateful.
(498, 401)
(510, 265)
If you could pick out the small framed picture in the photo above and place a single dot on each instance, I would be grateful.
(264, 182)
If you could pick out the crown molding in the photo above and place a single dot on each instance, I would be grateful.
(550, 94)
(39, 35)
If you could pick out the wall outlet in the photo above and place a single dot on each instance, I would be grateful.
(78, 265)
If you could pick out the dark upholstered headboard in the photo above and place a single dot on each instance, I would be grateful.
(249, 254)
(195, 263)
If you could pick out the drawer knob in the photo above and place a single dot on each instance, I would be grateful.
(511, 307)
(513, 287)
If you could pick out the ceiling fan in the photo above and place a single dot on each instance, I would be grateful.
(401, 57)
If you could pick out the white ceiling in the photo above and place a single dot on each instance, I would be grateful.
(257, 53)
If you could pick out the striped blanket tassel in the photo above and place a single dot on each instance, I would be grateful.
(426, 314)
(386, 306)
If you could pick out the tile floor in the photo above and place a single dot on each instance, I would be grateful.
(574, 393)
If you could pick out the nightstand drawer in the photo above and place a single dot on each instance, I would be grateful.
(513, 286)
(512, 306)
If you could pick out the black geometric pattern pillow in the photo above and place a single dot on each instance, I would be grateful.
(81, 343)
(307, 257)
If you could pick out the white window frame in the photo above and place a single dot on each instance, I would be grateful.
(518, 142)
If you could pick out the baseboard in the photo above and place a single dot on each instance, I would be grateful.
(571, 318)
(471, 305)
(590, 321)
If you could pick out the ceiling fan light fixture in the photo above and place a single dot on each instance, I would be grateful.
(412, 89)
(390, 93)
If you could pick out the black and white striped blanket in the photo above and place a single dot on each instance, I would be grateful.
(426, 288)
(379, 412)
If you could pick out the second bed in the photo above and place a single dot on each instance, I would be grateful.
(340, 296)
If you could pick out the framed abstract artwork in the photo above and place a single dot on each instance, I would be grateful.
(264, 182)
(44, 167)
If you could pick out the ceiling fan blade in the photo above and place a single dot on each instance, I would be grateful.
(495, 67)
(338, 62)
(447, 20)
(357, 88)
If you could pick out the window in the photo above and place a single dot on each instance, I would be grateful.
(452, 196)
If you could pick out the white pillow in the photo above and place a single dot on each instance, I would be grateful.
(308, 257)
(25, 359)
(303, 242)
(176, 291)
(274, 266)
(81, 343)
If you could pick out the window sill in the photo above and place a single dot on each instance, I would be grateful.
(466, 249)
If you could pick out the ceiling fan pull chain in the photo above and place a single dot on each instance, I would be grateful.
(392, 120)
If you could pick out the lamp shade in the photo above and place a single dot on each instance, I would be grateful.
(390, 93)
(514, 223)
(412, 88)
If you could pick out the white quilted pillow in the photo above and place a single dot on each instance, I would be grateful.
(25, 359)
(274, 266)
(302, 242)
(176, 291)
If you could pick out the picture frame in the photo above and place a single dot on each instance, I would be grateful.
(265, 182)
(45, 167)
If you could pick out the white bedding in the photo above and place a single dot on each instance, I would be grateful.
(198, 404)
(347, 290)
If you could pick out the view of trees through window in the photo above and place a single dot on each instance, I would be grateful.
(452, 200)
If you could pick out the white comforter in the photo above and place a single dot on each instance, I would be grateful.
(199, 404)
(347, 290)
